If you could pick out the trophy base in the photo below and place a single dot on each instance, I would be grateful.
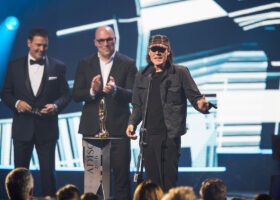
(102, 135)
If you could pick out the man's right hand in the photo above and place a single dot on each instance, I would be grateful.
(130, 132)
(22, 106)
(95, 84)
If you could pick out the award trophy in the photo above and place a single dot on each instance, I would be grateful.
(102, 119)
(97, 157)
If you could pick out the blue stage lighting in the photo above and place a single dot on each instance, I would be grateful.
(8, 30)
(11, 23)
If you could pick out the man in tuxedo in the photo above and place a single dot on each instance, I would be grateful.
(111, 75)
(35, 89)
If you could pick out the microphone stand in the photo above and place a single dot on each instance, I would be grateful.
(138, 176)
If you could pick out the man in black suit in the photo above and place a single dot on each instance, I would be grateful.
(111, 75)
(35, 89)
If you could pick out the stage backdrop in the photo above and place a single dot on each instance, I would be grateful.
(230, 47)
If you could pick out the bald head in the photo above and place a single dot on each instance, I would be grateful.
(105, 41)
(106, 29)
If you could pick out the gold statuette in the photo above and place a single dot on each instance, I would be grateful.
(102, 119)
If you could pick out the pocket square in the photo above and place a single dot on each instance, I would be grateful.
(52, 78)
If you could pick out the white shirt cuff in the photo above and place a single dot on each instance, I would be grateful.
(17, 104)
(91, 93)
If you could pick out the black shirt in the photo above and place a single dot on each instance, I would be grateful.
(155, 120)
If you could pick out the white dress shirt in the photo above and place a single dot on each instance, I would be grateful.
(35, 72)
(106, 67)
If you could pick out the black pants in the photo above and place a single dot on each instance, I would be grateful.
(161, 156)
(120, 164)
(46, 154)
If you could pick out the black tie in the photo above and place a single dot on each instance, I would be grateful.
(39, 62)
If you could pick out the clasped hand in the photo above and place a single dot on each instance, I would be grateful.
(23, 106)
(96, 83)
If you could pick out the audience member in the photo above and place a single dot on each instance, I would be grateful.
(238, 198)
(213, 189)
(180, 193)
(262, 196)
(68, 192)
(90, 196)
(19, 184)
(148, 190)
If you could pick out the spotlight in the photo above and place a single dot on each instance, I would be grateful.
(11, 23)
(8, 31)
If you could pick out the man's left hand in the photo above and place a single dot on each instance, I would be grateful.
(48, 109)
(110, 86)
(203, 104)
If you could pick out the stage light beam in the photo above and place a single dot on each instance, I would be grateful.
(8, 30)
(11, 23)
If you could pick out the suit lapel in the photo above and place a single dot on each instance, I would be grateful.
(44, 78)
(95, 68)
(27, 78)
(115, 67)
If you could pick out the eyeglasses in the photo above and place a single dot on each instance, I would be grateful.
(159, 49)
(102, 41)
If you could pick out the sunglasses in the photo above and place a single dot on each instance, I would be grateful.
(159, 49)
(102, 41)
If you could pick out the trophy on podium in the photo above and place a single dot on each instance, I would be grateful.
(102, 120)
(97, 157)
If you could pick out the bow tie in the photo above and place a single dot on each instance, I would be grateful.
(39, 62)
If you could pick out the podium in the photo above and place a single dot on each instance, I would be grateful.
(96, 157)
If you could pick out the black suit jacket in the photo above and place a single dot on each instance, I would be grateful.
(53, 90)
(123, 70)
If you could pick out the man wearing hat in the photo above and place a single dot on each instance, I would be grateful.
(159, 99)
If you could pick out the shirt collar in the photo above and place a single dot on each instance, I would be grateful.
(31, 58)
(110, 59)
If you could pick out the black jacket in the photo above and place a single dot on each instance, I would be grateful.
(123, 70)
(53, 89)
(176, 87)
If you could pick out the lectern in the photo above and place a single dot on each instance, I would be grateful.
(97, 164)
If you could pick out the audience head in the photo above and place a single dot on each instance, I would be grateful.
(237, 198)
(68, 192)
(19, 184)
(148, 190)
(213, 189)
(90, 196)
(180, 193)
(262, 197)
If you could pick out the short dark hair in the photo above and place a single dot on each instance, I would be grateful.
(213, 189)
(19, 183)
(90, 196)
(67, 192)
(262, 196)
(38, 31)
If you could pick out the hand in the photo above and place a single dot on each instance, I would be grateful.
(110, 86)
(22, 106)
(203, 104)
(95, 84)
(130, 132)
(49, 108)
